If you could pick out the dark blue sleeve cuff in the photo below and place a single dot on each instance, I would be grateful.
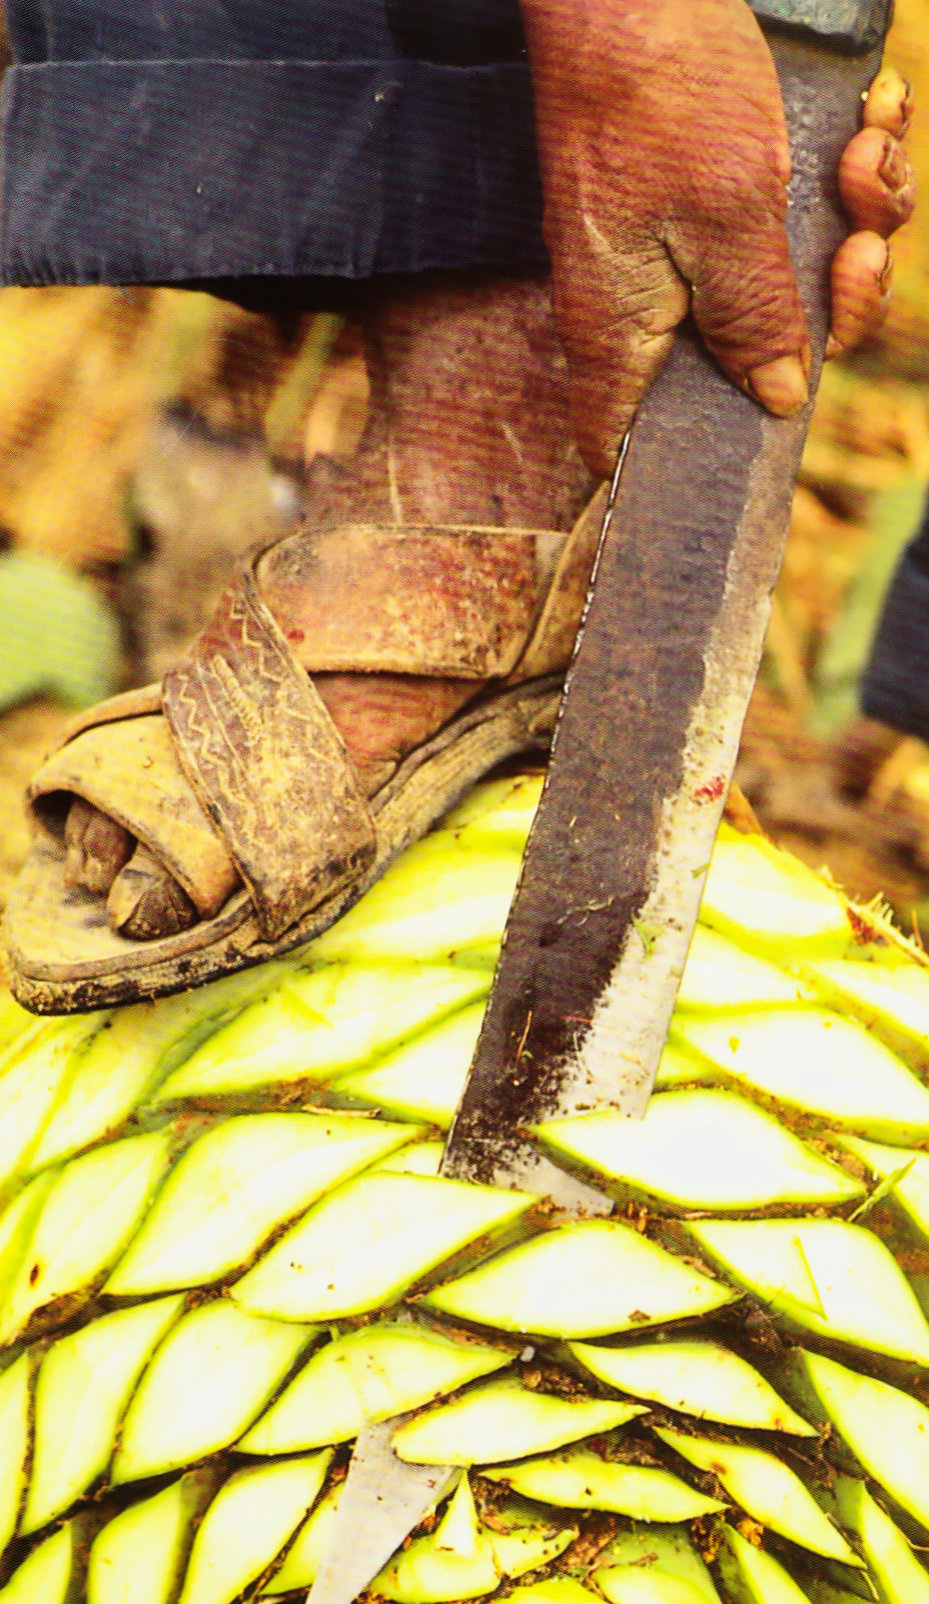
(164, 171)
(895, 687)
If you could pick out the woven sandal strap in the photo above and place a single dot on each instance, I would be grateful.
(266, 761)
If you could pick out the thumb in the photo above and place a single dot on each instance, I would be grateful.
(616, 310)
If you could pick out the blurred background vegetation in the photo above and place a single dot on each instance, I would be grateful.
(147, 436)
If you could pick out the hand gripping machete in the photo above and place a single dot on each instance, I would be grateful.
(646, 742)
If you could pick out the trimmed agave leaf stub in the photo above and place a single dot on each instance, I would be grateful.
(886, 1429)
(140, 1556)
(84, 1386)
(892, 1002)
(367, 1375)
(581, 1479)
(814, 1062)
(771, 903)
(247, 1526)
(210, 1378)
(707, 1150)
(698, 1378)
(767, 1489)
(664, 1552)
(754, 1576)
(814, 1272)
(366, 1244)
(582, 1280)
(236, 1185)
(503, 1420)
(719, 974)
(93, 1206)
(423, 1079)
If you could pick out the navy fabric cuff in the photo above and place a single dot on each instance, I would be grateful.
(895, 687)
(165, 171)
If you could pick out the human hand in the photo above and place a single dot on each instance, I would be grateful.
(665, 162)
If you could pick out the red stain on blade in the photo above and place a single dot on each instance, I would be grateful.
(712, 791)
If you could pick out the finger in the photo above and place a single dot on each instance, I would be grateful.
(876, 182)
(889, 103)
(861, 273)
(613, 354)
(747, 307)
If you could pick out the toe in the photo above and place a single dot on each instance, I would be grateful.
(97, 848)
(146, 902)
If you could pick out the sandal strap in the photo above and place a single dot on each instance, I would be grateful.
(245, 716)
(455, 603)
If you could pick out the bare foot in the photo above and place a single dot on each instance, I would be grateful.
(469, 425)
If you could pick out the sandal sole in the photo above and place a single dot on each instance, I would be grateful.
(48, 922)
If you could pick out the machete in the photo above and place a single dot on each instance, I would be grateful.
(646, 742)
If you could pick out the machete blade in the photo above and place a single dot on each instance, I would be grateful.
(381, 1495)
(649, 728)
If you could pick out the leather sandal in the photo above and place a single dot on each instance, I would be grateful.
(232, 774)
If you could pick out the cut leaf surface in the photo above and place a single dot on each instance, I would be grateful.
(580, 1280)
(423, 1079)
(84, 1384)
(559, 1590)
(886, 1429)
(52, 1572)
(498, 814)
(770, 902)
(126, 1058)
(718, 974)
(92, 1209)
(239, 1182)
(905, 1172)
(666, 1550)
(372, 1374)
(581, 1479)
(900, 1577)
(305, 1554)
(247, 1525)
(681, 1066)
(209, 1379)
(456, 1561)
(35, 1073)
(767, 1490)
(634, 1584)
(502, 1420)
(420, 1158)
(827, 1276)
(753, 1576)
(322, 1023)
(699, 1378)
(700, 1150)
(527, 1548)
(15, 1441)
(17, 1223)
(892, 1003)
(139, 1557)
(818, 1063)
(362, 1247)
(439, 898)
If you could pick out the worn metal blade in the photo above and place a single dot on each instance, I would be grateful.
(649, 730)
(382, 1495)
